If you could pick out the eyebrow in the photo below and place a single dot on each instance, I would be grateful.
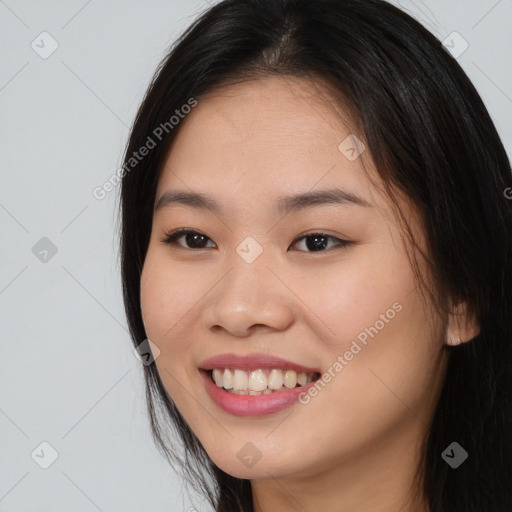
(284, 205)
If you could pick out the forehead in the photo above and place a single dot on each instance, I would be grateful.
(266, 137)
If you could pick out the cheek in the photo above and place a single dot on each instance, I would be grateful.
(351, 296)
(167, 297)
(388, 339)
(371, 313)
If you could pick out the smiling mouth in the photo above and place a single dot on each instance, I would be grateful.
(262, 381)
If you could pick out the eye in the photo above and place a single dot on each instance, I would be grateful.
(315, 242)
(318, 241)
(194, 238)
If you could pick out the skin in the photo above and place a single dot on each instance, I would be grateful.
(355, 446)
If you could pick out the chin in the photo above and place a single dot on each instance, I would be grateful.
(246, 459)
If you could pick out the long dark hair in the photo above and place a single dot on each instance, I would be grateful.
(430, 137)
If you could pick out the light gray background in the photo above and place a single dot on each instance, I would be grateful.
(68, 373)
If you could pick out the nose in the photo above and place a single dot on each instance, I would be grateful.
(251, 297)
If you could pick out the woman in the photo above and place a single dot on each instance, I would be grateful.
(316, 240)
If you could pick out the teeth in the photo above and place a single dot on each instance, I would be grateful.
(275, 379)
(290, 379)
(217, 377)
(259, 382)
(240, 380)
(302, 378)
(255, 393)
(227, 379)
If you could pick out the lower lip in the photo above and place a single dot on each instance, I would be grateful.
(251, 405)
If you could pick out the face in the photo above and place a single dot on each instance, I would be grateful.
(326, 286)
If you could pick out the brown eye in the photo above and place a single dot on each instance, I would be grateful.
(317, 242)
(193, 239)
(314, 242)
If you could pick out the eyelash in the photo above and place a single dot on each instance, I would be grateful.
(171, 237)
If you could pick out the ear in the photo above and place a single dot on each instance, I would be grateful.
(462, 327)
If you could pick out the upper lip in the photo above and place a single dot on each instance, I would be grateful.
(253, 362)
